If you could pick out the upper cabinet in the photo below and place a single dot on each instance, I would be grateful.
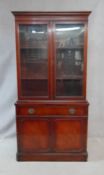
(51, 55)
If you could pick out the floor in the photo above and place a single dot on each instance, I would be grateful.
(9, 165)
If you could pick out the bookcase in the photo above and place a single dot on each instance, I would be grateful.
(51, 110)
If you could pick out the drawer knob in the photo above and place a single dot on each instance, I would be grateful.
(31, 111)
(72, 111)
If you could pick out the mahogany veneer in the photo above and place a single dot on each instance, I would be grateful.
(51, 110)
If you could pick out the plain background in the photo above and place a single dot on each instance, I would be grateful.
(95, 68)
(8, 88)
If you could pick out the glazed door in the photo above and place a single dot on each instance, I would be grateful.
(52, 60)
(69, 60)
(34, 54)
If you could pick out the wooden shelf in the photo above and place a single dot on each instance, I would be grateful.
(34, 77)
(44, 61)
(31, 78)
(69, 77)
(60, 48)
(23, 48)
(66, 77)
(69, 48)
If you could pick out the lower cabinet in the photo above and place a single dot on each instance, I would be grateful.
(51, 136)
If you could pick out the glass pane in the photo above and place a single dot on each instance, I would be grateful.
(34, 60)
(69, 59)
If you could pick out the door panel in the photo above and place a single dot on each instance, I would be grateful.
(69, 42)
(33, 135)
(69, 135)
(34, 59)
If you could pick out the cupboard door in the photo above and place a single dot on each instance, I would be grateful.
(34, 60)
(70, 134)
(69, 42)
(33, 135)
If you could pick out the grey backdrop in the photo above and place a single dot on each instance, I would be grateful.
(95, 68)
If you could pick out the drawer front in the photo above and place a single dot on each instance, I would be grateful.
(77, 110)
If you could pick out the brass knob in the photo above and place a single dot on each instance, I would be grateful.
(31, 111)
(72, 111)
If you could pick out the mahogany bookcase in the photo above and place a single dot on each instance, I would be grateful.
(51, 110)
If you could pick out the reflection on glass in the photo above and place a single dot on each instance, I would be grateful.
(34, 60)
(69, 59)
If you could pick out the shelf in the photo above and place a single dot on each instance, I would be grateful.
(60, 48)
(39, 77)
(70, 48)
(25, 48)
(70, 77)
(34, 79)
(43, 61)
